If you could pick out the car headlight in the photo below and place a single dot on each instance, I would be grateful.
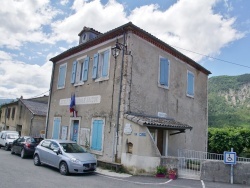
(76, 161)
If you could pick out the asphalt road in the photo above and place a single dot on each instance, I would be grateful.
(22, 173)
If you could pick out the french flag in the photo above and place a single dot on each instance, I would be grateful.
(72, 103)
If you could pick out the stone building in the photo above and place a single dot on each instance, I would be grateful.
(27, 116)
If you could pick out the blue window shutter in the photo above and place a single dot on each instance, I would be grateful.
(95, 66)
(56, 128)
(190, 84)
(99, 133)
(73, 73)
(85, 69)
(94, 135)
(61, 79)
(96, 143)
(164, 71)
(105, 65)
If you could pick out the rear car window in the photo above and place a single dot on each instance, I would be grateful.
(36, 140)
(12, 136)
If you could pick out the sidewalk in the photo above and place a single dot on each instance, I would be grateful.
(111, 173)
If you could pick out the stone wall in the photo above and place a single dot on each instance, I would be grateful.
(217, 171)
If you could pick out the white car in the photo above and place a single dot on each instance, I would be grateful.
(7, 137)
(67, 156)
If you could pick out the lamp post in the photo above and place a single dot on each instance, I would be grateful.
(115, 53)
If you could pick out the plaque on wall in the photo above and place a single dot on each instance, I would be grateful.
(128, 129)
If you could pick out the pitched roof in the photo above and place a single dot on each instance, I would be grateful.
(158, 122)
(36, 108)
(137, 31)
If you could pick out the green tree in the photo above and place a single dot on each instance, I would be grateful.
(223, 139)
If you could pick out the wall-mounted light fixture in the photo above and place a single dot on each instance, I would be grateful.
(117, 48)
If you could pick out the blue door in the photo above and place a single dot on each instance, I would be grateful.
(56, 128)
(74, 131)
(96, 142)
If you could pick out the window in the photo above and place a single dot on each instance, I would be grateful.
(20, 113)
(80, 70)
(13, 113)
(101, 63)
(190, 84)
(62, 76)
(163, 72)
(46, 143)
(53, 146)
(97, 135)
(8, 112)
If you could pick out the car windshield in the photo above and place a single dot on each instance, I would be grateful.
(72, 148)
(12, 136)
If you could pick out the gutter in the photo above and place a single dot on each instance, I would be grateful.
(49, 102)
(31, 123)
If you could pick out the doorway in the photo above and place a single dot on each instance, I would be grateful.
(74, 132)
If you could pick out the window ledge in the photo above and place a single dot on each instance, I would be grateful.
(162, 86)
(101, 79)
(190, 96)
(60, 87)
(79, 84)
(96, 152)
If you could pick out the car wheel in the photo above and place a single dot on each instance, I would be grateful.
(22, 154)
(63, 168)
(37, 160)
(12, 151)
(6, 147)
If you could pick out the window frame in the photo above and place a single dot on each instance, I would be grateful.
(159, 73)
(100, 64)
(187, 89)
(58, 79)
(79, 68)
(13, 112)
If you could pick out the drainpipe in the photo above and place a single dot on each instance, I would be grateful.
(31, 124)
(119, 100)
(49, 102)
(6, 111)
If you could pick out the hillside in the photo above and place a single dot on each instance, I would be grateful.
(229, 101)
(4, 101)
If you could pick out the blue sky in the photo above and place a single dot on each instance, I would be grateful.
(34, 31)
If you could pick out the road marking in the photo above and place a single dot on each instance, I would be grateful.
(203, 184)
(141, 183)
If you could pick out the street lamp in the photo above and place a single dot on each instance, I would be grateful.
(117, 48)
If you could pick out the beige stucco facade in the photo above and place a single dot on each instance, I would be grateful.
(98, 99)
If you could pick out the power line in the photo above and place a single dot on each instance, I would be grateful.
(212, 57)
(40, 94)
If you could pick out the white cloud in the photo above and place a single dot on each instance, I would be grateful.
(64, 2)
(188, 24)
(23, 79)
(91, 14)
(22, 21)
(5, 56)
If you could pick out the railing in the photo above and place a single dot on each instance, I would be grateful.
(189, 162)
(199, 155)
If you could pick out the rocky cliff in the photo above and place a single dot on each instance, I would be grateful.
(229, 101)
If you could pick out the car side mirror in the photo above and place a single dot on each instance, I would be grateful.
(57, 151)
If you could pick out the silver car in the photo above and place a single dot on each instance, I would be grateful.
(67, 156)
